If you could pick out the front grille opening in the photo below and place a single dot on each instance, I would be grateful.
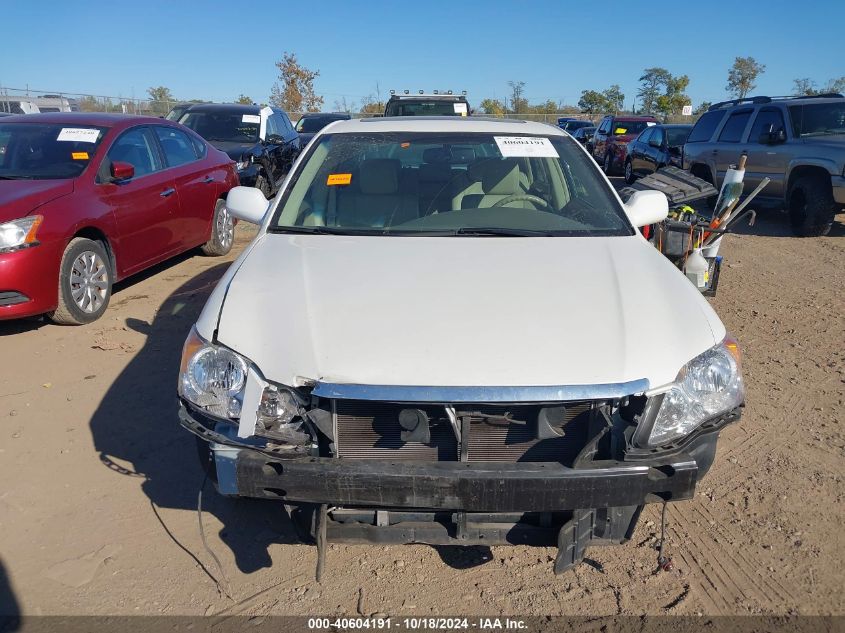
(496, 433)
(12, 297)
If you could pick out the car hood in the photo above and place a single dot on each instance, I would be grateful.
(305, 138)
(460, 311)
(19, 198)
(235, 150)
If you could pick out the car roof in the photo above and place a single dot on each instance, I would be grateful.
(444, 124)
(632, 118)
(100, 119)
(830, 97)
(314, 115)
(225, 107)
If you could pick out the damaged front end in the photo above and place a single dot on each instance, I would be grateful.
(494, 465)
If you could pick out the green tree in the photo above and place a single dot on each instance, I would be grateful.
(518, 102)
(742, 76)
(294, 89)
(615, 98)
(702, 108)
(493, 106)
(593, 102)
(161, 99)
(652, 83)
(674, 97)
(89, 103)
(243, 99)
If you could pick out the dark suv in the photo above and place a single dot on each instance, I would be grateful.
(612, 137)
(261, 140)
(421, 104)
(797, 142)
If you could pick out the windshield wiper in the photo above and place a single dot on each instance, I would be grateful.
(501, 231)
(323, 230)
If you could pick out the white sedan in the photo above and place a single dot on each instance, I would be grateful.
(450, 330)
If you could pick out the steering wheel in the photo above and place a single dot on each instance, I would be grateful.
(522, 196)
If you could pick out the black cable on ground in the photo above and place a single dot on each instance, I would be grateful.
(224, 589)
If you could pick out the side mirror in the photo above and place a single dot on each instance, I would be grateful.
(122, 171)
(247, 204)
(771, 138)
(646, 207)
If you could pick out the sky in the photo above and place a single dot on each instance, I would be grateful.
(215, 50)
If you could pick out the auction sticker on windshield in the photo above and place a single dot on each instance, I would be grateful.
(526, 146)
(460, 108)
(251, 118)
(78, 134)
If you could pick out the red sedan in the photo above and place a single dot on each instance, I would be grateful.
(89, 199)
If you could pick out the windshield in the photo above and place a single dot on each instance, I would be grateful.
(313, 124)
(41, 151)
(818, 119)
(393, 183)
(677, 136)
(431, 107)
(629, 127)
(228, 127)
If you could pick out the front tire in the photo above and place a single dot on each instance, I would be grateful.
(629, 173)
(811, 206)
(85, 283)
(222, 231)
(607, 164)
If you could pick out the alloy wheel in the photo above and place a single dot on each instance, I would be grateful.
(225, 227)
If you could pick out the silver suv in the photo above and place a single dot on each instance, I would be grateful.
(798, 142)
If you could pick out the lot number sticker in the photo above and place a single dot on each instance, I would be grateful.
(338, 179)
(78, 135)
(460, 108)
(522, 146)
(251, 118)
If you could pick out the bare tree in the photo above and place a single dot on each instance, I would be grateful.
(294, 89)
(518, 102)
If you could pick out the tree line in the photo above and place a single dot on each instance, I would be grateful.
(660, 93)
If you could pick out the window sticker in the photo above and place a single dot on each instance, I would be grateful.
(620, 130)
(78, 135)
(79, 155)
(251, 118)
(526, 146)
(339, 179)
(460, 108)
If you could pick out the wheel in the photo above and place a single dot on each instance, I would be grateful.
(811, 206)
(629, 173)
(263, 185)
(607, 164)
(222, 231)
(85, 281)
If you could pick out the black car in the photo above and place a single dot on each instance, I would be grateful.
(261, 140)
(422, 104)
(656, 146)
(312, 122)
(574, 124)
(584, 134)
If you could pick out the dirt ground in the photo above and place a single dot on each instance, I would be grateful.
(99, 483)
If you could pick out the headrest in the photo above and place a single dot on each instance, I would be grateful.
(434, 155)
(498, 177)
(380, 176)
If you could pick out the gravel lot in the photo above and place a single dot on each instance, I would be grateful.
(98, 502)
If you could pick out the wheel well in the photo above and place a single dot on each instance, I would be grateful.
(702, 171)
(95, 234)
(804, 170)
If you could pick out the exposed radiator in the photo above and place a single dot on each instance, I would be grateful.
(371, 430)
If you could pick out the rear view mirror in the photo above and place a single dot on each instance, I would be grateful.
(122, 171)
(646, 207)
(247, 204)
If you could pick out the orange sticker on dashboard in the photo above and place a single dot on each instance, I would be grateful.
(79, 155)
(339, 179)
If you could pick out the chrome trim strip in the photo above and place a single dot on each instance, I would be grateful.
(414, 393)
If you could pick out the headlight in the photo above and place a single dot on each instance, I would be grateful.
(212, 377)
(20, 233)
(706, 387)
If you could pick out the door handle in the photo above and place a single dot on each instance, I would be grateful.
(167, 192)
(208, 179)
